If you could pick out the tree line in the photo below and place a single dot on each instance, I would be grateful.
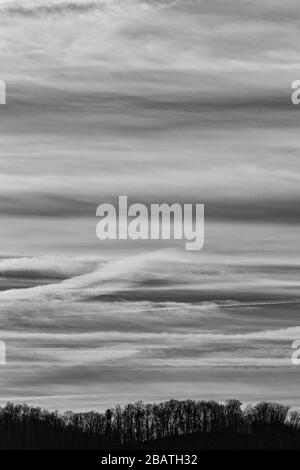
(138, 423)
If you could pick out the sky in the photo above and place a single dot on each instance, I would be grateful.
(162, 101)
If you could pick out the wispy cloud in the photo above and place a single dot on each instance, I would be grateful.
(162, 101)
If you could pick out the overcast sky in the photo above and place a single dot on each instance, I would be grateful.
(157, 100)
(164, 98)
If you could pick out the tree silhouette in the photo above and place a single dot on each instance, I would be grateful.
(200, 424)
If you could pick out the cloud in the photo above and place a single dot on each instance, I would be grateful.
(162, 101)
(54, 267)
(149, 92)
(38, 8)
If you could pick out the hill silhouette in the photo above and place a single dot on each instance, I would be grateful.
(172, 424)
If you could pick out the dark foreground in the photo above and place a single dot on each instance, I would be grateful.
(171, 425)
